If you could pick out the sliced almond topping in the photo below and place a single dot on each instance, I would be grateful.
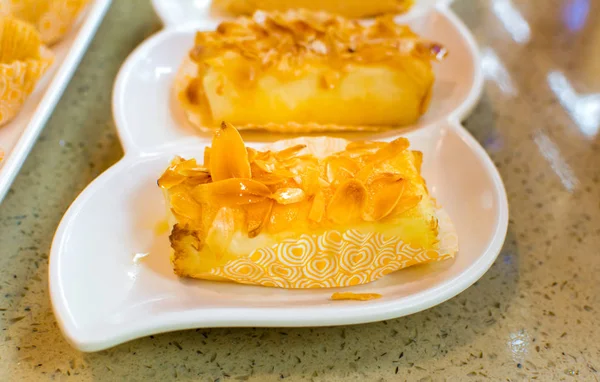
(347, 202)
(183, 205)
(355, 296)
(395, 147)
(257, 216)
(288, 195)
(228, 155)
(289, 152)
(407, 203)
(340, 169)
(233, 192)
(384, 194)
(170, 179)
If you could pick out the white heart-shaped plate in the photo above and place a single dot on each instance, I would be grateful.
(103, 294)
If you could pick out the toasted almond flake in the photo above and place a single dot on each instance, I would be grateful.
(288, 195)
(384, 195)
(355, 296)
(257, 216)
(289, 152)
(228, 155)
(170, 179)
(407, 203)
(347, 202)
(184, 205)
(231, 192)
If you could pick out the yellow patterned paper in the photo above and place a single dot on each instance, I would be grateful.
(23, 61)
(334, 259)
(52, 18)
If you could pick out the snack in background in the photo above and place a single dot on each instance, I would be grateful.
(52, 18)
(346, 8)
(302, 71)
(23, 61)
(302, 213)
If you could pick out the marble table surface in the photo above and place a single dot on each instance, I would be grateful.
(534, 315)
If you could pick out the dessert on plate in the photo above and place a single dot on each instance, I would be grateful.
(23, 61)
(52, 18)
(301, 71)
(302, 213)
(347, 8)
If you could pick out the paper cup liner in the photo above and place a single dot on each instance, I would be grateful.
(23, 61)
(52, 18)
(334, 259)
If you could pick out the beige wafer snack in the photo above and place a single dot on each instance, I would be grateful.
(23, 61)
(303, 71)
(52, 18)
(303, 213)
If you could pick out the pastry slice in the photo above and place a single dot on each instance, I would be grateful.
(306, 212)
(304, 71)
(346, 8)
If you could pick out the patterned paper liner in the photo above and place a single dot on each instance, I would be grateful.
(334, 259)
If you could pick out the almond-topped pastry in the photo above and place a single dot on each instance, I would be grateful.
(307, 71)
(307, 212)
(346, 8)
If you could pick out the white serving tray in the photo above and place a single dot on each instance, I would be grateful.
(19, 135)
(103, 295)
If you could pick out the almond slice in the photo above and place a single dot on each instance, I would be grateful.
(355, 296)
(384, 195)
(233, 192)
(183, 205)
(288, 195)
(347, 202)
(257, 216)
(228, 155)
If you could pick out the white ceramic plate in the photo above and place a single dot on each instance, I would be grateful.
(103, 296)
(19, 135)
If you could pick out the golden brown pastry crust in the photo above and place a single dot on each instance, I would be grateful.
(245, 63)
(326, 195)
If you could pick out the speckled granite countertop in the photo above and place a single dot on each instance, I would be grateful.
(534, 315)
